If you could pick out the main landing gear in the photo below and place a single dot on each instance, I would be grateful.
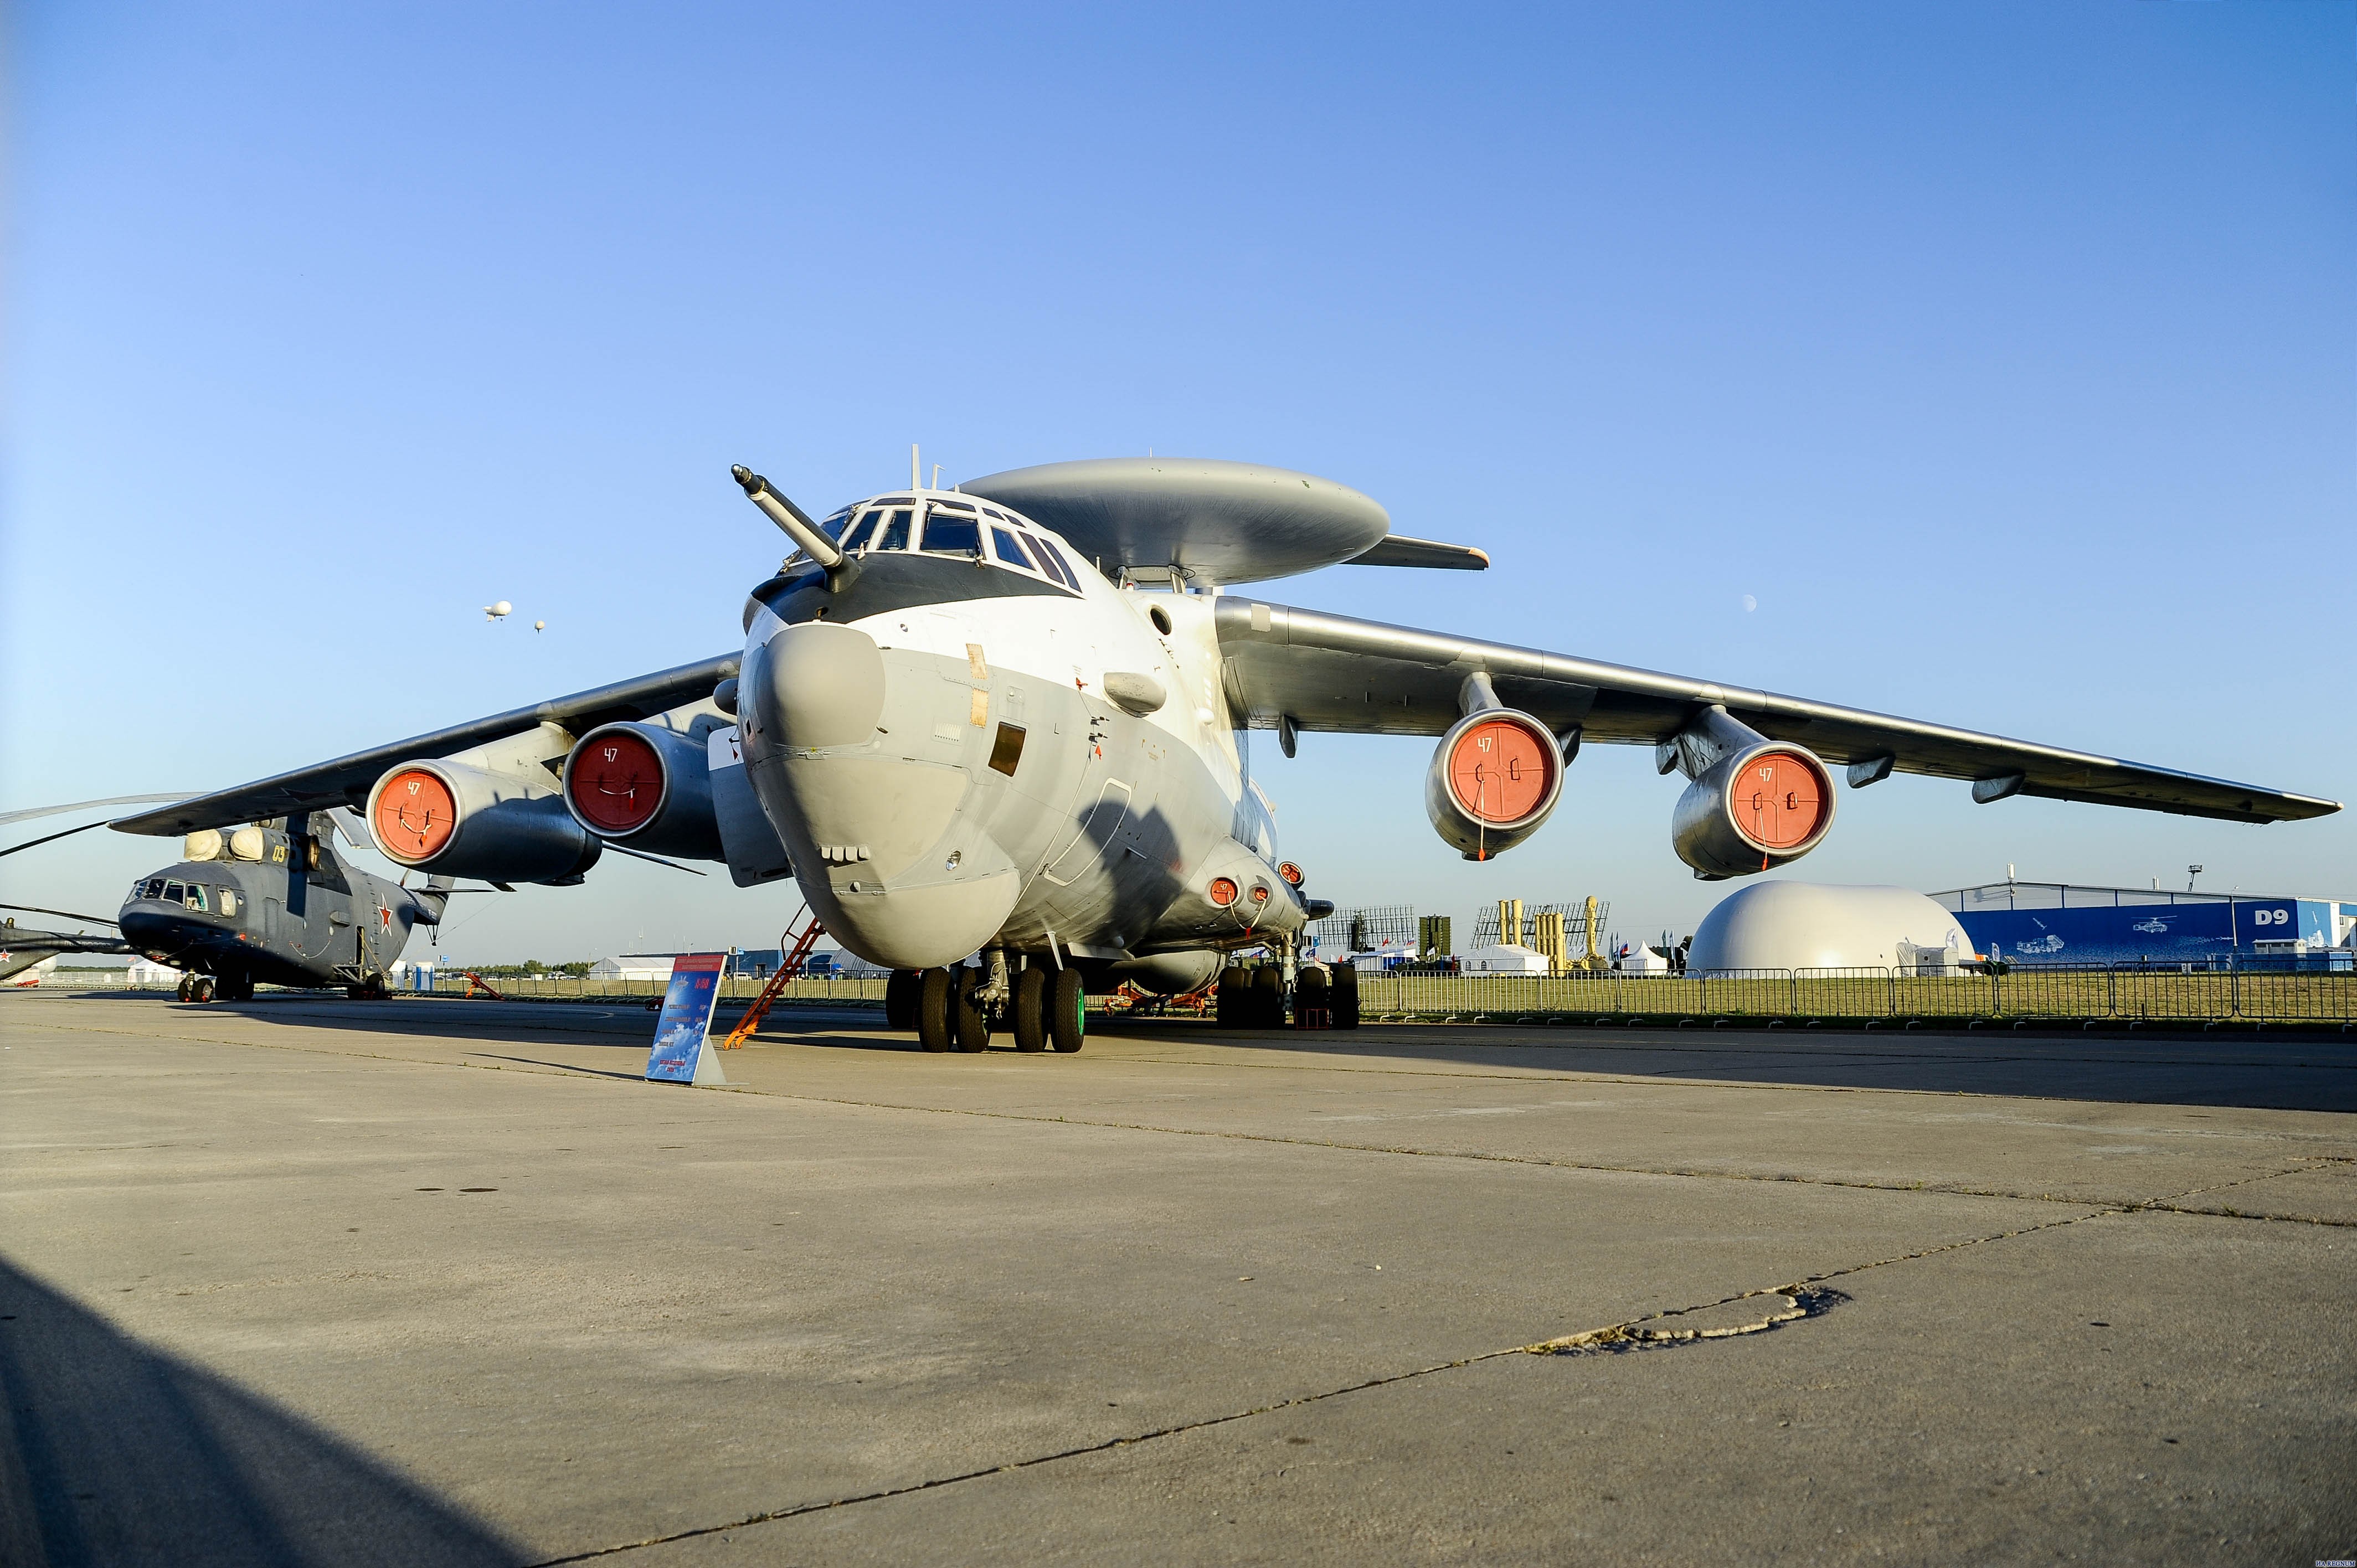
(1323, 997)
(956, 1009)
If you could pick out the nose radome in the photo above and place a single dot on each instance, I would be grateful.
(819, 685)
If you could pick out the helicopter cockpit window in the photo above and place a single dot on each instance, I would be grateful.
(188, 894)
(894, 535)
(152, 889)
(861, 531)
(1009, 551)
(228, 902)
(952, 534)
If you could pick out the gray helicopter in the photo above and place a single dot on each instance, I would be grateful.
(268, 904)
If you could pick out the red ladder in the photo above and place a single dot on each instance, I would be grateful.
(787, 970)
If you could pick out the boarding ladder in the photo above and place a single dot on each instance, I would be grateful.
(787, 970)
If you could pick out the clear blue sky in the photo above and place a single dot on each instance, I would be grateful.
(2004, 355)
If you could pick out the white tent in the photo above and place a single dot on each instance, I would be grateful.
(146, 974)
(1506, 958)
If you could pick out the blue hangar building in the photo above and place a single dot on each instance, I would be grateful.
(2048, 922)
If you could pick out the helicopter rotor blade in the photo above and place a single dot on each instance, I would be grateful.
(32, 844)
(61, 914)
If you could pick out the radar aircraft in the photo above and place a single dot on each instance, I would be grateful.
(997, 765)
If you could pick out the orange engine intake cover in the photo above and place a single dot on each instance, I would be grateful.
(1780, 800)
(414, 815)
(616, 782)
(1499, 772)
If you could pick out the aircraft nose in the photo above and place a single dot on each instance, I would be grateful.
(836, 742)
(151, 930)
(816, 686)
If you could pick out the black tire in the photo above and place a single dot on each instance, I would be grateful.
(1068, 1012)
(180, 993)
(934, 1003)
(1234, 996)
(1345, 996)
(1031, 1009)
(969, 1024)
(900, 999)
(201, 988)
(1313, 1005)
(1269, 998)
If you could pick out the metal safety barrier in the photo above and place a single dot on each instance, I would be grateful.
(2261, 990)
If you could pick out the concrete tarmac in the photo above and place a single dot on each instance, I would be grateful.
(320, 1282)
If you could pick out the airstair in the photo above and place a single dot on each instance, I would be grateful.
(787, 970)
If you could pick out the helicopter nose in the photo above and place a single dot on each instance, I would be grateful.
(152, 931)
(835, 741)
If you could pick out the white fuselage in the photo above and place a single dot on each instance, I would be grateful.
(962, 754)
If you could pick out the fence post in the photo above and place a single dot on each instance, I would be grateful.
(2234, 985)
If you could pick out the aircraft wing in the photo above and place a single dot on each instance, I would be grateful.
(1330, 673)
(346, 781)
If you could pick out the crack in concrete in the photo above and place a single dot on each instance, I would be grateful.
(1805, 1298)
(1855, 1184)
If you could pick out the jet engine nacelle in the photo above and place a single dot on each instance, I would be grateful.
(458, 820)
(1757, 807)
(645, 788)
(1494, 779)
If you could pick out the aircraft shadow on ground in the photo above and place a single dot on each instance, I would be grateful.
(114, 1453)
(621, 1023)
(2284, 1072)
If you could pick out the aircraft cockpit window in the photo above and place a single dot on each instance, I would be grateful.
(228, 902)
(895, 535)
(859, 534)
(1009, 551)
(188, 894)
(1057, 565)
(152, 889)
(952, 534)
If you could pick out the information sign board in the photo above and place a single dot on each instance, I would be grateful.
(683, 1052)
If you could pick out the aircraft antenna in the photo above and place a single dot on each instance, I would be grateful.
(916, 472)
(936, 476)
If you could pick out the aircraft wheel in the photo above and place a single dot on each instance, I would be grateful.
(1267, 998)
(182, 993)
(1068, 1011)
(933, 1004)
(900, 998)
(1234, 996)
(1031, 1009)
(1313, 1001)
(1345, 996)
(201, 988)
(969, 1022)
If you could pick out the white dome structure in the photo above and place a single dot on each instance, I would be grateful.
(1810, 925)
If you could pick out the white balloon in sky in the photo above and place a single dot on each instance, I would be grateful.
(1750, 604)
(540, 626)
(497, 611)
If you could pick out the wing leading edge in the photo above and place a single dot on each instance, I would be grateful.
(1330, 673)
(346, 781)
